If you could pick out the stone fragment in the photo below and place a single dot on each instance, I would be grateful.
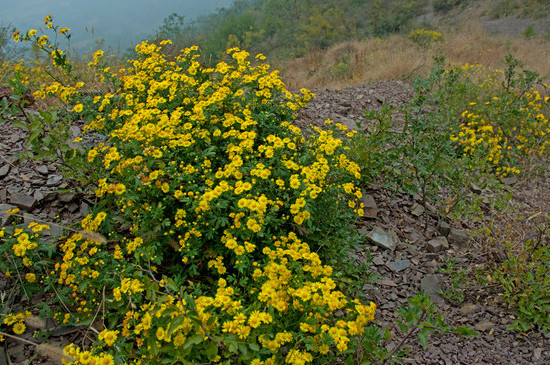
(38, 195)
(14, 138)
(387, 282)
(415, 235)
(400, 265)
(66, 197)
(49, 195)
(55, 230)
(84, 209)
(5, 218)
(458, 237)
(443, 228)
(370, 207)
(4, 170)
(469, 308)
(484, 326)
(378, 261)
(475, 189)
(23, 201)
(42, 169)
(3, 358)
(430, 285)
(3, 194)
(73, 207)
(380, 237)
(511, 180)
(417, 210)
(12, 160)
(54, 180)
(17, 353)
(437, 244)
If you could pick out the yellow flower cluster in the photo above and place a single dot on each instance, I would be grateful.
(206, 179)
(486, 134)
(278, 286)
(424, 37)
(30, 73)
(16, 321)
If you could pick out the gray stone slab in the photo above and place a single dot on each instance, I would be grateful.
(400, 265)
(23, 201)
(380, 237)
(4, 170)
(370, 208)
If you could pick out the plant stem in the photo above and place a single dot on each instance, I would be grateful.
(413, 328)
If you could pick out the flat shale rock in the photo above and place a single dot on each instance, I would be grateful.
(431, 285)
(400, 265)
(23, 201)
(444, 228)
(370, 207)
(4, 170)
(484, 326)
(437, 244)
(66, 197)
(417, 210)
(458, 237)
(42, 169)
(469, 308)
(382, 238)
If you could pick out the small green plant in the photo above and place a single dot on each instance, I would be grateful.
(524, 277)
(419, 318)
(529, 32)
(458, 278)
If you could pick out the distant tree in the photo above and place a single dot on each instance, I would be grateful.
(173, 28)
(7, 48)
(323, 28)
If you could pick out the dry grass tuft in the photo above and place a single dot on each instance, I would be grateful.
(396, 57)
(54, 353)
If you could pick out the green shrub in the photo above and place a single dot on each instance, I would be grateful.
(215, 216)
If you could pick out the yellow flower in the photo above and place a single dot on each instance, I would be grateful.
(108, 336)
(32, 32)
(19, 328)
(78, 108)
(63, 30)
(31, 278)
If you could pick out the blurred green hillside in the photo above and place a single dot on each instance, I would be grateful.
(290, 28)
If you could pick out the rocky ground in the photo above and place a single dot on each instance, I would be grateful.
(405, 257)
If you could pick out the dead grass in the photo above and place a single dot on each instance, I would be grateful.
(397, 58)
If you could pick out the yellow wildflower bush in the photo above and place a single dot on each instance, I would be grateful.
(215, 221)
(507, 126)
(425, 38)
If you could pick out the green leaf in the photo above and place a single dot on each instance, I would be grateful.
(34, 135)
(19, 124)
(195, 340)
(423, 339)
(211, 350)
(175, 323)
(465, 331)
